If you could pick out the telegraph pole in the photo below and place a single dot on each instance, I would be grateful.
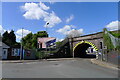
(21, 46)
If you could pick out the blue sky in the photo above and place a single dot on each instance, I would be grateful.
(86, 17)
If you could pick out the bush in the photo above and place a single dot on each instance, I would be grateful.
(41, 54)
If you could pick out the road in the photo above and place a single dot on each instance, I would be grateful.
(78, 68)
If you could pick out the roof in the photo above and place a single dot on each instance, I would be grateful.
(45, 39)
(4, 45)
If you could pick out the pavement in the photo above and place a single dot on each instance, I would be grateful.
(105, 64)
(18, 61)
(25, 61)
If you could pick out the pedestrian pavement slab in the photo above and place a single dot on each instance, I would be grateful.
(105, 64)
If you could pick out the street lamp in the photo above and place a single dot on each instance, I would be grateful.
(47, 33)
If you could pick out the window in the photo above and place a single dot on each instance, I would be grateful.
(15, 52)
(4, 52)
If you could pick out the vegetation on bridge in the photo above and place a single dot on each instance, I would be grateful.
(108, 41)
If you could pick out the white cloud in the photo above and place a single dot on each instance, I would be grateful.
(37, 11)
(52, 2)
(114, 25)
(75, 33)
(19, 33)
(61, 39)
(65, 29)
(43, 6)
(52, 19)
(69, 31)
(34, 10)
(2, 30)
(9, 31)
(69, 19)
(57, 40)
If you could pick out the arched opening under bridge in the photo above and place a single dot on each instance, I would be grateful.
(85, 49)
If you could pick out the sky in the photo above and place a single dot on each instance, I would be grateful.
(64, 18)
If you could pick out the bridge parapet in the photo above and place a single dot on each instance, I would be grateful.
(88, 37)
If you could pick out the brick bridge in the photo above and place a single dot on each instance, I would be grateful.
(77, 46)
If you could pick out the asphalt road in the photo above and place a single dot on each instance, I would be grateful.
(80, 68)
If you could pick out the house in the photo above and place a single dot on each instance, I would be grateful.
(45, 42)
(14, 52)
(5, 51)
(9, 52)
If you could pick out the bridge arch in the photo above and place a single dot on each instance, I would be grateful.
(81, 47)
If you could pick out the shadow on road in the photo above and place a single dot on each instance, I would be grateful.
(88, 56)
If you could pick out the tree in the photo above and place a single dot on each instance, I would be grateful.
(42, 34)
(12, 37)
(9, 38)
(30, 40)
(34, 41)
(27, 41)
(5, 37)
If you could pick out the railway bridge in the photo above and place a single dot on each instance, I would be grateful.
(77, 46)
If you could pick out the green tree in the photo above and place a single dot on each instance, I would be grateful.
(5, 38)
(34, 41)
(12, 37)
(9, 38)
(30, 40)
(42, 34)
(27, 41)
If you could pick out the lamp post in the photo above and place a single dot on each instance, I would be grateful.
(47, 33)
